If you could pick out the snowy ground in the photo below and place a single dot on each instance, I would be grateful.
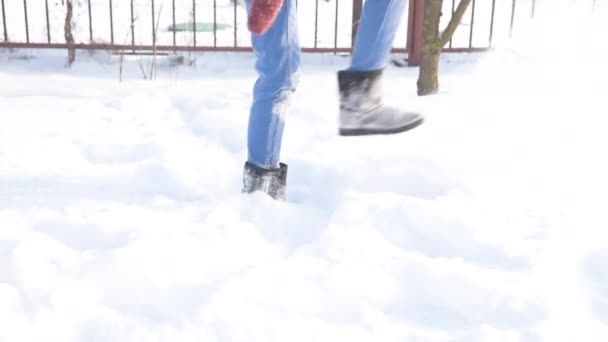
(121, 217)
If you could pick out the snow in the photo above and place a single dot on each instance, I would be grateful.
(121, 217)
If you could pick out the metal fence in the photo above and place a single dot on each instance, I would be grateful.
(102, 31)
(140, 26)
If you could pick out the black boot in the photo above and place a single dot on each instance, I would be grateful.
(272, 182)
(362, 111)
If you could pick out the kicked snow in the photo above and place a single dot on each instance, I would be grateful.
(121, 217)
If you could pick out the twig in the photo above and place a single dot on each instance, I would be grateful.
(454, 21)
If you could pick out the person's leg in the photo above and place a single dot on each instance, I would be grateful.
(362, 111)
(278, 61)
(380, 21)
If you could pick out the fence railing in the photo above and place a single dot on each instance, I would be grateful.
(220, 25)
(170, 25)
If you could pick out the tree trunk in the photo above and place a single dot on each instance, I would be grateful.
(69, 37)
(428, 80)
(433, 42)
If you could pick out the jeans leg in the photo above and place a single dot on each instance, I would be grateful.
(277, 63)
(380, 21)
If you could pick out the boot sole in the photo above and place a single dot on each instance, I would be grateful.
(352, 132)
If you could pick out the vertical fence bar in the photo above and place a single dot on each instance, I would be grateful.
(415, 28)
(132, 25)
(4, 23)
(214, 23)
(27, 25)
(174, 26)
(316, 22)
(90, 22)
(48, 23)
(512, 19)
(533, 9)
(410, 21)
(236, 43)
(153, 24)
(492, 22)
(111, 23)
(453, 10)
(472, 24)
(194, 21)
(336, 25)
(357, 6)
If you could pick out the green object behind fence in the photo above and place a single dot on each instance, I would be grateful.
(199, 27)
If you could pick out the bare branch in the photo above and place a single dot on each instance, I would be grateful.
(454, 22)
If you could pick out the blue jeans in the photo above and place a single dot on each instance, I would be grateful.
(278, 61)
